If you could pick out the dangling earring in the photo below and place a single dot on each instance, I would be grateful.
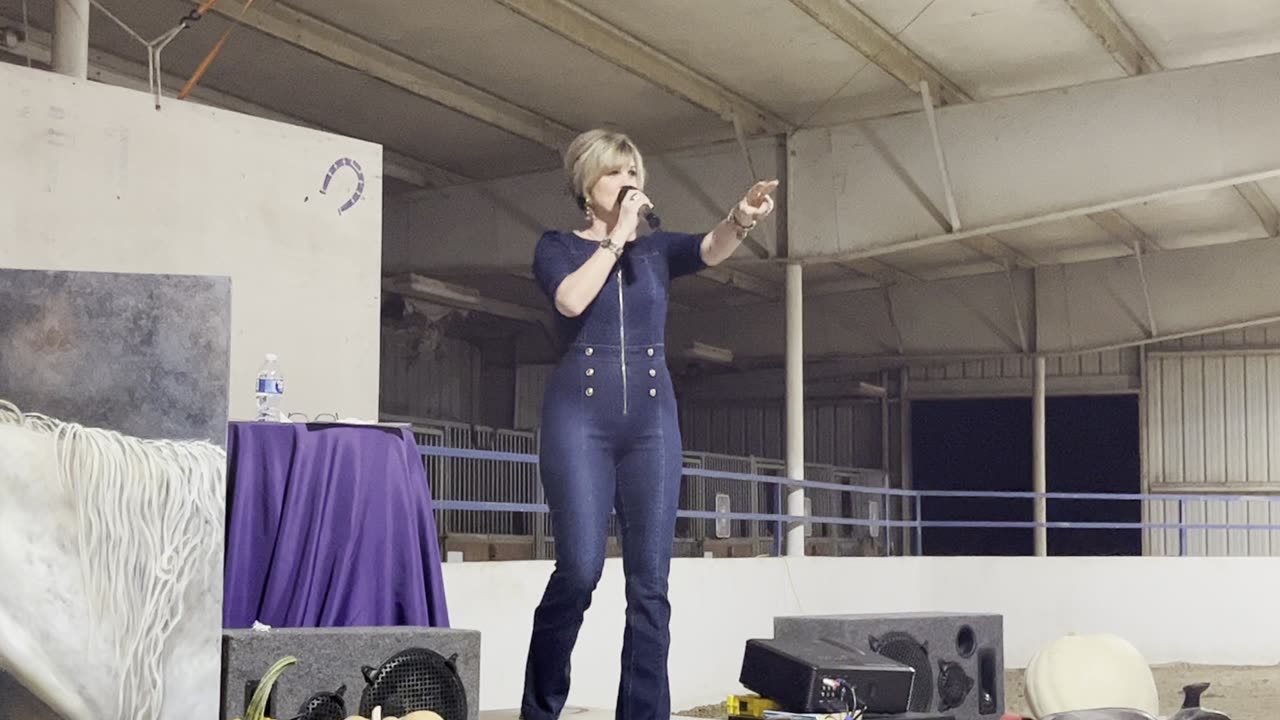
(591, 216)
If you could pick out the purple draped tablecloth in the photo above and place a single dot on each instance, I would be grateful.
(329, 525)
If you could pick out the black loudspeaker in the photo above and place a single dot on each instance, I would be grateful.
(824, 676)
(909, 716)
(958, 658)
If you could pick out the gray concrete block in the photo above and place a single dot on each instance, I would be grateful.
(331, 657)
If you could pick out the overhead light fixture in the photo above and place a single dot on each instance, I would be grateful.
(432, 290)
(710, 353)
(865, 389)
(459, 297)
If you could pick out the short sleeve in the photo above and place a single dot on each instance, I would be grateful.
(684, 254)
(551, 263)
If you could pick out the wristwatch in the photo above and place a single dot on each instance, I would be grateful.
(612, 247)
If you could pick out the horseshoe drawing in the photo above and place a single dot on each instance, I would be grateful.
(333, 170)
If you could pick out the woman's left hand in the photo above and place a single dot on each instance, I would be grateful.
(757, 204)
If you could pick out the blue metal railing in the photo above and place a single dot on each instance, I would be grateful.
(916, 524)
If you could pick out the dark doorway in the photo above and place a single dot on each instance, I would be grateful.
(985, 445)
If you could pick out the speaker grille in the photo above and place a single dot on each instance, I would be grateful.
(904, 648)
(324, 706)
(415, 679)
(954, 684)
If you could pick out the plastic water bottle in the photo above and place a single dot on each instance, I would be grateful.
(270, 390)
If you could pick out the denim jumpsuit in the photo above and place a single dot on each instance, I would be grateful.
(610, 441)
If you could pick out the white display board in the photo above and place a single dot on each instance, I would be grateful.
(96, 178)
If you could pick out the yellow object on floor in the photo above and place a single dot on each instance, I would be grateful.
(749, 706)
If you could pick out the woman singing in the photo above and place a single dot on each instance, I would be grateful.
(610, 436)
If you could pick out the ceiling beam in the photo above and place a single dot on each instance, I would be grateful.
(1123, 231)
(418, 172)
(1117, 37)
(747, 283)
(998, 251)
(605, 40)
(525, 272)
(338, 45)
(1257, 199)
(841, 286)
(1137, 59)
(879, 46)
(1097, 138)
(112, 70)
(460, 297)
(963, 316)
(416, 285)
(882, 272)
(941, 239)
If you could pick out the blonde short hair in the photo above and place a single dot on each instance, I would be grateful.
(595, 153)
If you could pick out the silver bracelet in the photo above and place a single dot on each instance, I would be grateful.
(742, 229)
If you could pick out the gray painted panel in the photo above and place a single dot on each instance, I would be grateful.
(145, 355)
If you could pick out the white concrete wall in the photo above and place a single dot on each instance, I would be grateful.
(1170, 608)
(96, 179)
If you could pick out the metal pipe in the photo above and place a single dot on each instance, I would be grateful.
(1037, 456)
(885, 451)
(904, 448)
(70, 52)
(919, 547)
(1153, 330)
(953, 217)
(795, 406)
(1144, 482)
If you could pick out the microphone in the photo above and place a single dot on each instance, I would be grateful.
(645, 210)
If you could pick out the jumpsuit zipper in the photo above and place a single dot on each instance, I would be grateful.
(622, 339)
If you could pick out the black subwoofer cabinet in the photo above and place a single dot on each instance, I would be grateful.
(958, 657)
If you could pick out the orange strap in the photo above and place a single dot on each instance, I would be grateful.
(217, 48)
(205, 7)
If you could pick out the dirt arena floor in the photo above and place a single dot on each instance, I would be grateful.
(1243, 693)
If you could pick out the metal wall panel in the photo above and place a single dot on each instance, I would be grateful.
(845, 433)
(441, 383)
(1210, 418)
(848, 432)
(1257, 336)
(1261, 510)
(1212, 404)
(530, 385)
(1086, 374)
